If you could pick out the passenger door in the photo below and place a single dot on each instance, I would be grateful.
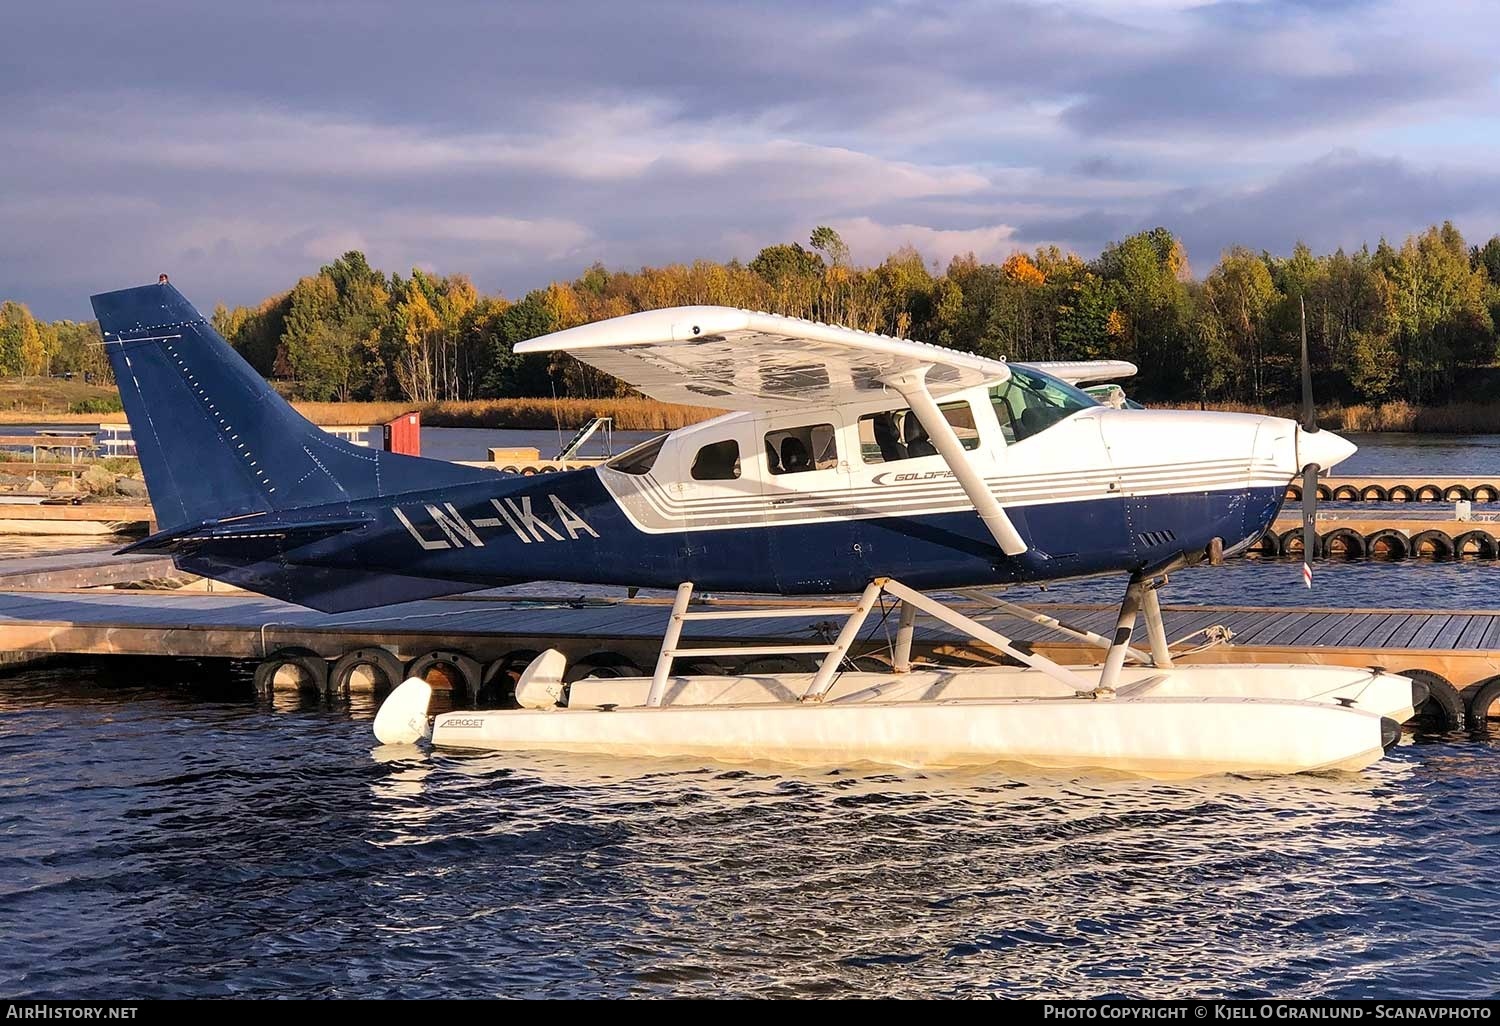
(805, 487)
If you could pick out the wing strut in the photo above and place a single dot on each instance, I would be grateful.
(912, 385)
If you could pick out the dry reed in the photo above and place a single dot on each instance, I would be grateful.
(1450, 418)
(533, 414)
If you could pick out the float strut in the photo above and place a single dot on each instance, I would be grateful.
(1109, 677)
(906, 629)
(850, 633)
(1161, 655)
(669, 644)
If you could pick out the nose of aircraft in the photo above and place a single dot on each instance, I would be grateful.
(1324, 448)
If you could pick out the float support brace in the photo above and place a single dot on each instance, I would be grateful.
(979, 632)
(1052, 622)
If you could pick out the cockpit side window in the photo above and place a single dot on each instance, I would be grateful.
(640, 459)
(717, 461)
(1031, 402)
(800, 449)
(892, 435)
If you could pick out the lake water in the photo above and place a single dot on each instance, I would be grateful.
(166, 836)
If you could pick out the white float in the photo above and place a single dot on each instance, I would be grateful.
(1154, 718)
(1166, 737)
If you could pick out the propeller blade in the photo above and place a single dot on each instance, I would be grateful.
(1309, 520)
(1309, 472)
(1309, 414)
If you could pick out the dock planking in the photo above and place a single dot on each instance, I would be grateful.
(83, 568)
(489, 626)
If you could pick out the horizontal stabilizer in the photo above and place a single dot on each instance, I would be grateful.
(243, 529)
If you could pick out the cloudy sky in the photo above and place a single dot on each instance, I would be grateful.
(240, 145)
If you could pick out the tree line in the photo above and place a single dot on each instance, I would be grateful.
(29, 347)
(1391, 323)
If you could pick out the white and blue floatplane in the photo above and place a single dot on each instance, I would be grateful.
(850, 464)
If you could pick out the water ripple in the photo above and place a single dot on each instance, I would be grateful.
(161, 846)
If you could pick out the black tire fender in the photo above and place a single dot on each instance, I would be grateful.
(1292, 538)
(1442, 710)
(1484, 544)
(1484, 696)
(1440, 543)
(1394, 541)
(384, 667)
(312, 667)
(1268, 544)
(602, 664)
(462, 671)
(1352, 541)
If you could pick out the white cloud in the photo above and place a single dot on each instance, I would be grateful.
(870, 241)
(508, 143)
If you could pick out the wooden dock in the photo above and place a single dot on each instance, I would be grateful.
(496, 631)
(84, 568)
(1404, 488)
(80, 518)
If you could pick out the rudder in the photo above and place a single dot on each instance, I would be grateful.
(214, 439)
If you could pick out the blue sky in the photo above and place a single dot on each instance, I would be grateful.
(239, 146)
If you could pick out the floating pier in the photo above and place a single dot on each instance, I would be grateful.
(1406, 488)
(85, 568)
(76, 518)
(1386, 535)
(475, 646)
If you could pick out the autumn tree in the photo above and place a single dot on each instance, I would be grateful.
(510, 373)
(1440, 315)
(1238, 298)
(830, 243)
(80, 350)
(21, 347)
(1150, 271)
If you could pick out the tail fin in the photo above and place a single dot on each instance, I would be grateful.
(214, 439)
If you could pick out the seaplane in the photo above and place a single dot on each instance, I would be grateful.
(853, 471)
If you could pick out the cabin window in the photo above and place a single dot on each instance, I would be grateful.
(800, 449)
(893, 435)
(1031, 402)
(718, 461)
(640, 459)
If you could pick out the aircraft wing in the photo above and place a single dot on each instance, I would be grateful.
(742, 360)
(1078, 372)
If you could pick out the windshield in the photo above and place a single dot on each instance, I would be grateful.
(638, 460)
(1031, 402)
